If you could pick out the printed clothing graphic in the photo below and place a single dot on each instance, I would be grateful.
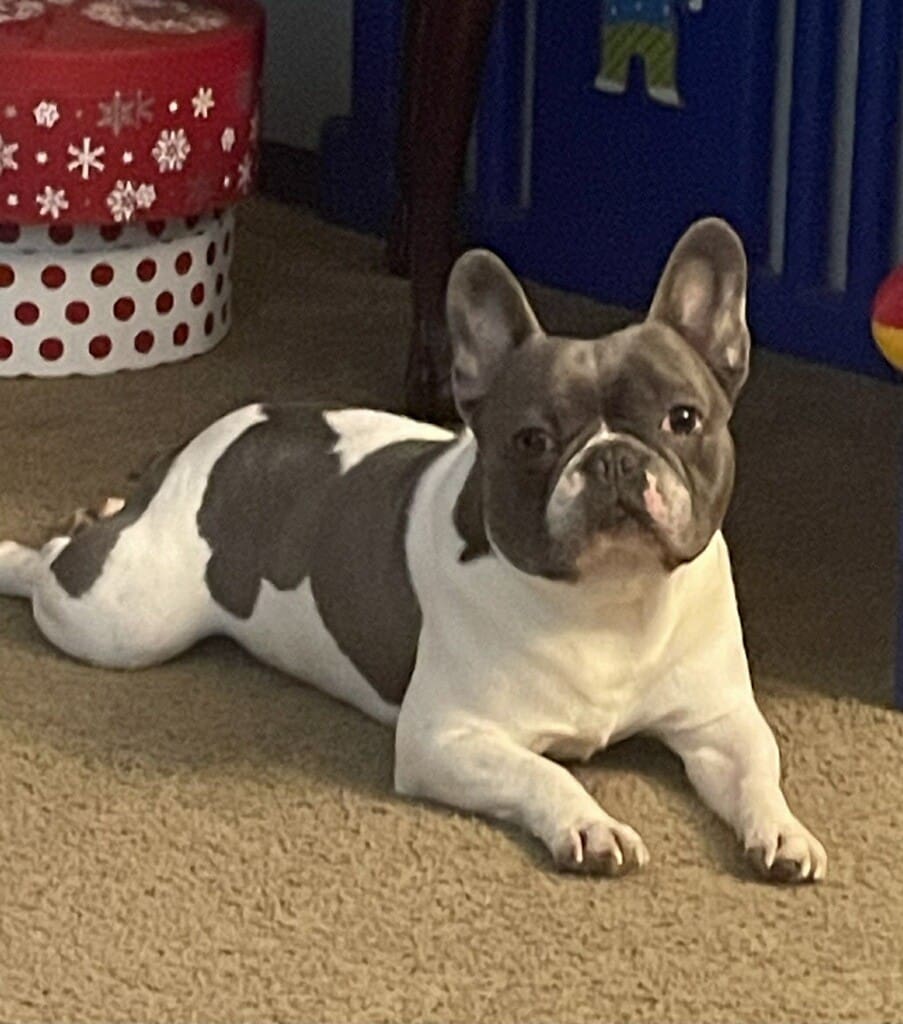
(646, 29)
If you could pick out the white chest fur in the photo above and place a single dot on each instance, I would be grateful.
(564, 668)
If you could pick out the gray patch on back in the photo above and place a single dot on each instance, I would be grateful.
(278, 508)
(360, 578)
(81, 562)
(262, 505)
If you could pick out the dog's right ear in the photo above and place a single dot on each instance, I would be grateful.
(488, 317)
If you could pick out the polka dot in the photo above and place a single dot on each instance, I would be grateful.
(225, 312)
(6, 348)
(164, 302)
(111, 232)
(61, 233)
(147, 270)
(219, 284)
(211, 254)
(208, 324)
(102, 274)
(100, 346)
(53, 277)
(156, 227)
(183, 262)
(27, 313)
(144, 341)
(227, 242)
(51, 349)
(7, 275)
(9, 233)
(124, 308)
(77, 312)
(197, 294)
(190, 222)
(180, 334)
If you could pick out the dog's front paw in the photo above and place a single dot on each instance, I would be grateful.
(787, 853)
(604, 847)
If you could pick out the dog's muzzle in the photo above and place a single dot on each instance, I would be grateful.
(615, 472)
(600, 488)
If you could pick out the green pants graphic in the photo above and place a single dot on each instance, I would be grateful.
(657, 46)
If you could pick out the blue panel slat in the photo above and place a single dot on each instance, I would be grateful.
(357, 153)
(376, 64)
(499, 115)
(811, 142)
(869, 252)
(754, 157)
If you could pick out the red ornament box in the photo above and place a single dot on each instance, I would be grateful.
(125, 125)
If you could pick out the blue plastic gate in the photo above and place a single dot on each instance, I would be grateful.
(781, 115)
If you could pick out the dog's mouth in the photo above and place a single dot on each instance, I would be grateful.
(625, 514)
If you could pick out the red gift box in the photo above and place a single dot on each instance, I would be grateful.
(124, 110)
(128, 128)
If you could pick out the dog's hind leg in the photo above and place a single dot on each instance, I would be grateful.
(21, 566)
(20, 569)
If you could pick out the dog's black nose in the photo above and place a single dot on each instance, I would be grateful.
(616, 463)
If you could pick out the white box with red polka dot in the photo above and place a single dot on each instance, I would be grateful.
(86, 300)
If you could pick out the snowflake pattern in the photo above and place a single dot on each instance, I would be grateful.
(171, 150)
(86, 159)
(144, 108)
(203, 102)
(125, 198)
(8, 156)
(116, 114)
(145, 196)
(90, 154)
(244, 173)
(46, 114)
(51, 202)
(121, 112)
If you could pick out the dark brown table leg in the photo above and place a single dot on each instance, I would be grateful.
(445, 50)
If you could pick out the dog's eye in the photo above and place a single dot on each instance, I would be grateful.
(682, 419)
(533, 441)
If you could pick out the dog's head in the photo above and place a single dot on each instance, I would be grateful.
(592, 449)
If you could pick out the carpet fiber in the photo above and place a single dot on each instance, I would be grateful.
(211, 841)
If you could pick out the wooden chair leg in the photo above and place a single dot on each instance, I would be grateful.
(443, 68)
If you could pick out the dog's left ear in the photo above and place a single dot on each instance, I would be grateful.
(702, 295)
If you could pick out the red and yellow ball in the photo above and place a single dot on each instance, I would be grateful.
(887, 318)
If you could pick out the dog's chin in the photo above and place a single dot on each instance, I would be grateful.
(627, 548)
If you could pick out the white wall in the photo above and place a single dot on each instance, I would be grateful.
(308, 68)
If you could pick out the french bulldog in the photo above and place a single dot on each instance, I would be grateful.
(527, 591)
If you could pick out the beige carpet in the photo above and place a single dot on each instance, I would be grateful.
(210, 841)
